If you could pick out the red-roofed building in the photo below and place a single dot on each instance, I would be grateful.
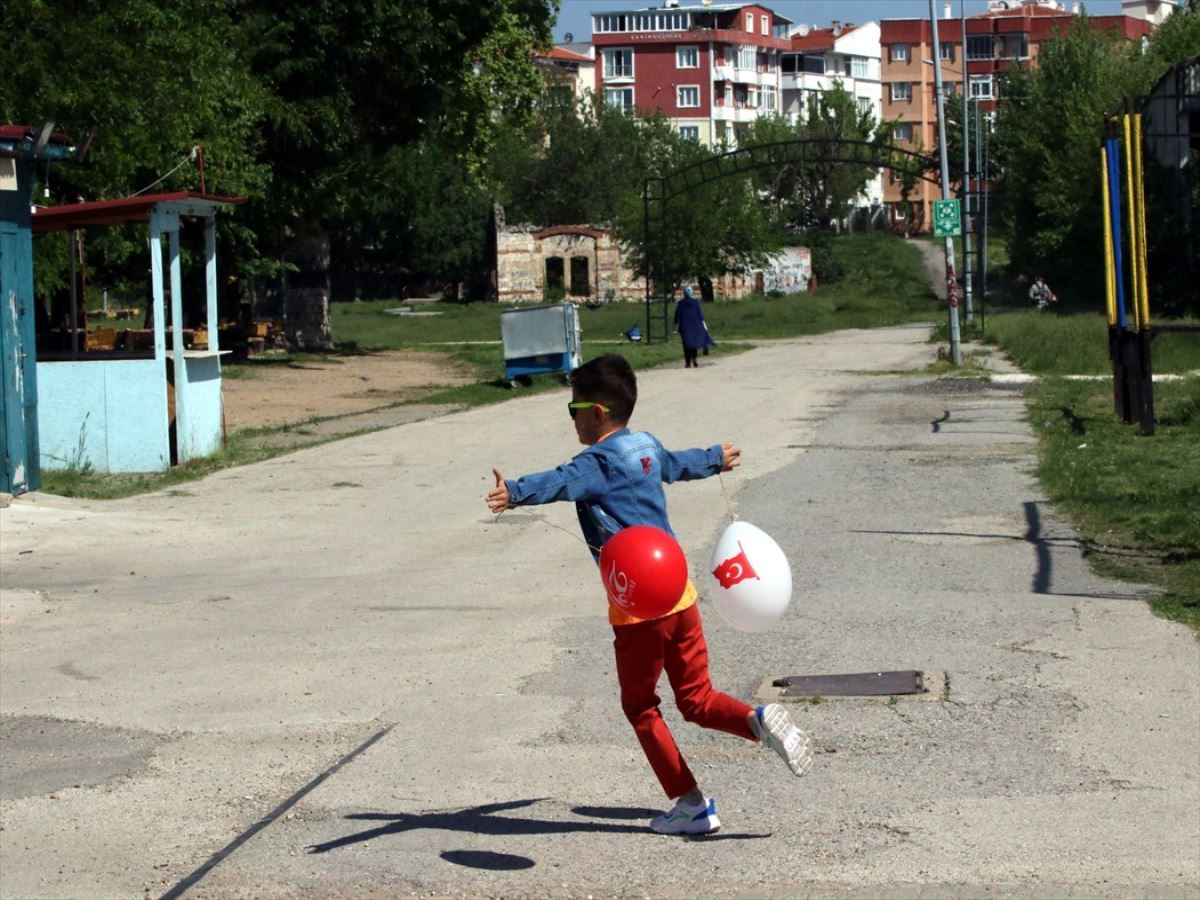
(569, 69)
(1011, 31)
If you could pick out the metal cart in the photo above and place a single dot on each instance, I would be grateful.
(540, 339)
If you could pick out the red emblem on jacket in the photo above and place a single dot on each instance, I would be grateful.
(646, 465)
(735, 570)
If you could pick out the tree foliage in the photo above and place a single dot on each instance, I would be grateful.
(299, 106)
(153, 78)
(1047, 142)
(826, 186)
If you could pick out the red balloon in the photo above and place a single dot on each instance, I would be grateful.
(644, 571)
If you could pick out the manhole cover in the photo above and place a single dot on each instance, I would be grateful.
(908, 683)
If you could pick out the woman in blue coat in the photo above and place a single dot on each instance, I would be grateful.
(692, 329)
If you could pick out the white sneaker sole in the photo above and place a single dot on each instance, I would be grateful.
(707, 825)
(786, 739)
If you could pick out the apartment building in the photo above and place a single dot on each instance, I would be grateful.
(1009, 33)
(570, 73)
(822, 58)
(711, 69)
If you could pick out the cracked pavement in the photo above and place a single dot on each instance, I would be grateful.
(334, 674)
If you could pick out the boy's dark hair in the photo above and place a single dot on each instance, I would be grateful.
(609, 380)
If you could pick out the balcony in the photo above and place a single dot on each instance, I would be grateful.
(734, 113)
(740, 76)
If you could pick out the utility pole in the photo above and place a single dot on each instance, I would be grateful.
(951, 280)
(980, 178)
(966, 171)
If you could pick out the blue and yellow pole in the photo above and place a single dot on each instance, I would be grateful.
(1110, 285)
(1113, 151)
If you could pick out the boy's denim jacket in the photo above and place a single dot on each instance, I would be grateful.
(617, 483)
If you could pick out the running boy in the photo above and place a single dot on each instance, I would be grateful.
(615, 483)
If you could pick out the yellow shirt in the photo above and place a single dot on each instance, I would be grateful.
(618, 616)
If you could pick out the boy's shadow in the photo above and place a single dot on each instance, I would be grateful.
(484, 820)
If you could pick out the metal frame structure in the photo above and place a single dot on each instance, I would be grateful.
(1164, 125)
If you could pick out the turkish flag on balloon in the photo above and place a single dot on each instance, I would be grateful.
(753, 578)
(734, 570)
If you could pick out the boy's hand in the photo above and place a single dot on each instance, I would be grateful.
(731, 457)
(498, 500)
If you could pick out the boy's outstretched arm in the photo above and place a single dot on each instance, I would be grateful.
(498, 500)
(731, 457)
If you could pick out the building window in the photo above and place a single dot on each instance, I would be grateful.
(947, 52)
(764, 23)
(1015, 46)
(898, 212)
(899, 53)
(554, 276)
(903, 131)
(901, 91)
(747, 58)
(981, 87)
(859, 67)
(618, 63)
(621, 98)
(979, 47)
(750, 22)
(864, 104)
(690, 132)
(687, 57)
(580, 283)
(687, 95)
(767, 95)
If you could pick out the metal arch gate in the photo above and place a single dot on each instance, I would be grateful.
(658, 190)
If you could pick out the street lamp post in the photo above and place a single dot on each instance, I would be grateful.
(951, 280)
(966, 170)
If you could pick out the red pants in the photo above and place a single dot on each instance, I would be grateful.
(675, 643)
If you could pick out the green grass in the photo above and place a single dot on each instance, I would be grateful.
(1052, 344)
(1134, 499)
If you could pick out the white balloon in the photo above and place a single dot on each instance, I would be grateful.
(752, 580)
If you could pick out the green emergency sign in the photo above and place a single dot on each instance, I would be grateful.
(947, 222)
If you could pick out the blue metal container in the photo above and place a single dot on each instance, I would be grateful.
(540, 340)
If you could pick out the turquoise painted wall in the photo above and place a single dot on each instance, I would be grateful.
(203, 422)
(111, 414)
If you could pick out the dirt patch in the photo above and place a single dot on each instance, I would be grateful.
(266, 392)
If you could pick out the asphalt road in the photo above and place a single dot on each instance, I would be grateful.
(334, 674)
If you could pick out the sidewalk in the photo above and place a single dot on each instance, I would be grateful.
(334, 674)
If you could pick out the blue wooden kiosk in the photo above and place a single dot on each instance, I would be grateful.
(21, 149)
(116, 411)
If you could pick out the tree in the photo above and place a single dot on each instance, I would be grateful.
(825, 186)
(588, 164)
(351, 81)
(75, 62)
(1047, 144)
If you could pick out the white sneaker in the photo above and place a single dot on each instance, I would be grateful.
(777, 731)
(685, 819)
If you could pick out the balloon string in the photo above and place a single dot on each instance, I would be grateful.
(728, 502)
(559, 528)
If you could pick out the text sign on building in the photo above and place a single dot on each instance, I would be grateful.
(946, 219)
